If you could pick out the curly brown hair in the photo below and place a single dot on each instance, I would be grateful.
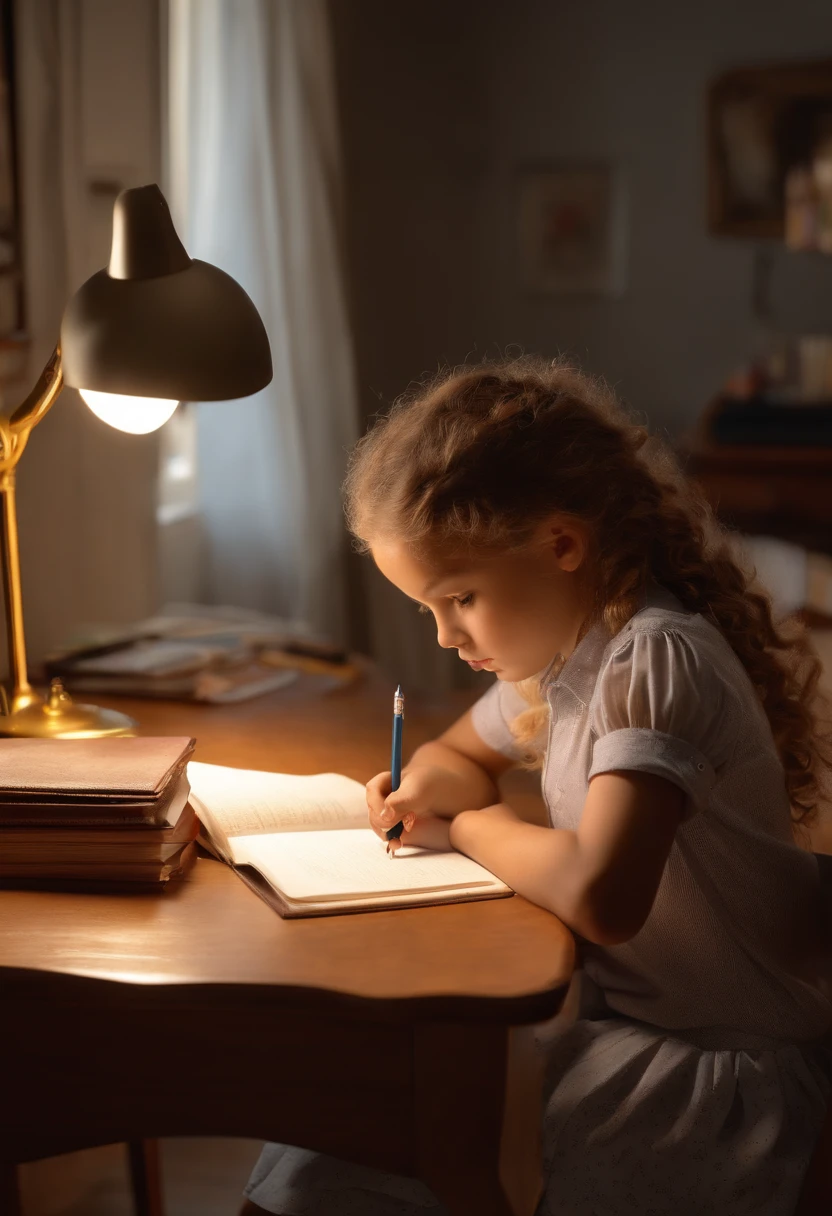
(479, 456)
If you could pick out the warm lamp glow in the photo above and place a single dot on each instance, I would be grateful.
(154, 328)
(136, 415)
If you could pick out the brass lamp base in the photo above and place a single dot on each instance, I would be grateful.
(58, 717)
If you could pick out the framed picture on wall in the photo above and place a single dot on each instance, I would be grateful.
(763, 122)
(572, 229)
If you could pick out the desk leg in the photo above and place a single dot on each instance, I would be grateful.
(9, 1191)
(145, 1177)
(478, 1116)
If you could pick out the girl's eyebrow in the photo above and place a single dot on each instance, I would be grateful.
(419, 603)
(456, 576)
(437, 582)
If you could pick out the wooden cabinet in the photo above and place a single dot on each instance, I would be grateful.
(774, 491)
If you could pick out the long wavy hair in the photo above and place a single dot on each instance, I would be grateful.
(477, 457)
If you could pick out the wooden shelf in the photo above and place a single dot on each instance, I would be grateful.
(785, 492)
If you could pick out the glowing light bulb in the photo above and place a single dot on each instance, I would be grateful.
(136, 415)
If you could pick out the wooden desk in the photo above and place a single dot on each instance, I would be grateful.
(201, 1012)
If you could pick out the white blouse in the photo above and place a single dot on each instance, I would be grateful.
(730, 952)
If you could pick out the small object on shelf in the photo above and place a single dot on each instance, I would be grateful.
(745, 384)
(802, 205)
(808, 197)
(822, 174)
(793, 370)
(814, 352)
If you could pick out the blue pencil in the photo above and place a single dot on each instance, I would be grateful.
(396, 756)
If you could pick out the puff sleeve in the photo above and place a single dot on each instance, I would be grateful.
(662, 707)
(492, 714)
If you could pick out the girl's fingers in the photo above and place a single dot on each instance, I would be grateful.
(387, 808)
(381, 823)
(377, 790)
(396, 843)
(430, 832)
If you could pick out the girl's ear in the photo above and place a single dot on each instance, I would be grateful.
(568, 543)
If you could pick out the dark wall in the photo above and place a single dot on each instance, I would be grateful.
(442, 101)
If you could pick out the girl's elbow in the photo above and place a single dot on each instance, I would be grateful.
(606, 934)
(607, 925)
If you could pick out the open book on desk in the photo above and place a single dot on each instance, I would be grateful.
(303, 844)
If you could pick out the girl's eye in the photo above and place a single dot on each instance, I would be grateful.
(465, 601)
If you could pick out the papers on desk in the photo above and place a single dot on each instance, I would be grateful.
(201, 654)
(218, 669)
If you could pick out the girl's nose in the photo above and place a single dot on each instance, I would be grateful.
(450, 636)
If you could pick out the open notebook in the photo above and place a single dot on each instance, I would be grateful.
(304, 845)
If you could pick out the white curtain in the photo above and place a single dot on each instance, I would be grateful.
(86, 493)
(253, 186)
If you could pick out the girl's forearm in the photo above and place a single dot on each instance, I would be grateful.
(475, 789)
(541, 864)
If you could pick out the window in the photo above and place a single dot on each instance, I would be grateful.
(177, 466)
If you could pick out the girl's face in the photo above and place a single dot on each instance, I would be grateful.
(510, 614)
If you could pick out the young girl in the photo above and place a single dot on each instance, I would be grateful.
(559, 547)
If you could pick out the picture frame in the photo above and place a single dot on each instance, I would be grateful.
(761, 121)
(572, 229)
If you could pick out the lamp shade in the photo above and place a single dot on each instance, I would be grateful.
(157, 323)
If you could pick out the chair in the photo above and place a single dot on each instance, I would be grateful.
(816, 1193)
(146, 1177)
(145, 1181)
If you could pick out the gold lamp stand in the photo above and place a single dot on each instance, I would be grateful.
(25, 712)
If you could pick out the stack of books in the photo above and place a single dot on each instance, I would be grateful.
(95, 812)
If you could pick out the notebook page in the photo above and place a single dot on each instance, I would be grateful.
(244, 802)
(353, 864)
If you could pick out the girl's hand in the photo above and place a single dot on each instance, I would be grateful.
(425, 789)
(426, 795)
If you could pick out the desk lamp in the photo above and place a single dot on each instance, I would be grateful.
(153, 329)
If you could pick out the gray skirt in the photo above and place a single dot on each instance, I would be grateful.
(637, 1120)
